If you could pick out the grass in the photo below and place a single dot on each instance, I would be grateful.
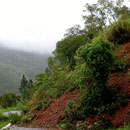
(2, 110)
(3, 123)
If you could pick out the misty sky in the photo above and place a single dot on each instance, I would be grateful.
(37, 24)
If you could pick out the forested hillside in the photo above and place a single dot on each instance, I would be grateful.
(86, 85)
(13, 64)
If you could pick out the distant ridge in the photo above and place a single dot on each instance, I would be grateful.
(15, 63)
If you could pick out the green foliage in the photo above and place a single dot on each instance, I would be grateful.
(38, 102)
(67, 126)
(119, 65)
(101, 14)
(66, 49)
(125, 128)
(119, 32)
(25, 88)
(2, 110)
(96, 102)
(14, 118)
(70, 113)
(78, 64)
(99, 60)
(13, 64)
(2, 117)
(3, 123)
(73, 31)
(77, 79)
(59, 80)
(8, 100)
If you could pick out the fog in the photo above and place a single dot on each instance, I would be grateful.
(36, 25)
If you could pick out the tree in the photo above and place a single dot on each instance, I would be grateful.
(102, 14)
(99, 59)
(66, 49)
(25, 86)
(73, 31)
(8, 100)
(30, 84)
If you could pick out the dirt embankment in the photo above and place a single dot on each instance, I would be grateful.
(119, 80)
(55, 112)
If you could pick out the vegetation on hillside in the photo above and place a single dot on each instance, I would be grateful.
(75, 90)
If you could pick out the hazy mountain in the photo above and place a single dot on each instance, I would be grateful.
(15, 63)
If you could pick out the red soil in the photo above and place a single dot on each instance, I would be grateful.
(122, 117)
(55, 112)
(119, 80)
(92, 120)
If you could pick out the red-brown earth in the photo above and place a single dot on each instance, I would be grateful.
(119, 80)
(55, 112)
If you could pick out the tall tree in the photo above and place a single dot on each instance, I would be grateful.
(98, 16)
(66, 49)
(25, 87)
(73, 31)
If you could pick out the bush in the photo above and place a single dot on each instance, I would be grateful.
(96, 102)
(99, 60)
(66, 126)
(38, 102)
(119, 32)
(70, 113)
(14, 118)
(119, 65)
(9, 100)
(3, 118)
(77, 78)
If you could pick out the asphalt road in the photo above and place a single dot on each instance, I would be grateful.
(23, 128)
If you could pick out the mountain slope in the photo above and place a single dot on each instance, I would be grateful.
(14, 63)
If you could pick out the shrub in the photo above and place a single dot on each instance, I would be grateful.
(8, 100)
(99, 60)
(70, 113)
(96, 102)
(66, 126)
(37, 102)
(14, 118)
(119, 65)
(119, 32)
(77, 78)
(2, 117)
